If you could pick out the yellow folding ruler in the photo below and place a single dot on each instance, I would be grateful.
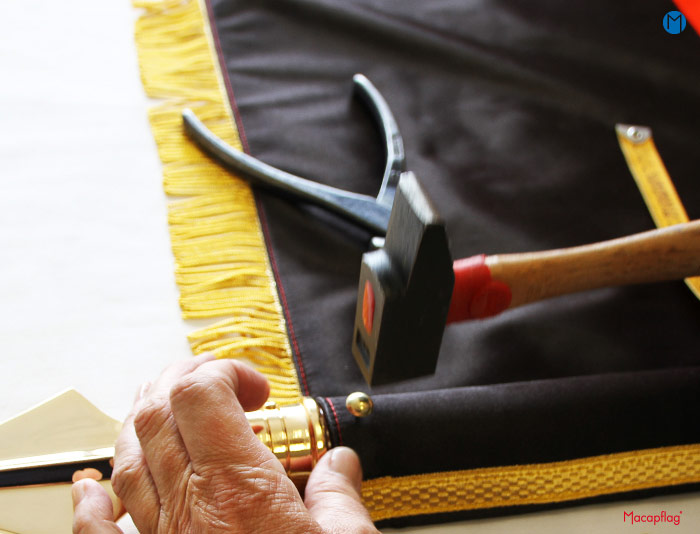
(653, 181)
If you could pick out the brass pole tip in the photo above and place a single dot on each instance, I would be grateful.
(359, 404)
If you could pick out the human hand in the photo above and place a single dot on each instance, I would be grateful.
(188, 461)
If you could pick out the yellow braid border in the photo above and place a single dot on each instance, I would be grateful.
(519, 485)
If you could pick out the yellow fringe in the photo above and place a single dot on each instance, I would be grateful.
(518, 485)
(222, 268)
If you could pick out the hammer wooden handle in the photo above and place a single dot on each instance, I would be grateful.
(487, 285)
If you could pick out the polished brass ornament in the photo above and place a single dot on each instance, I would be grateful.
(359, 404)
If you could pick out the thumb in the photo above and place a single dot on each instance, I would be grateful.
(92, 509)
(333, 494)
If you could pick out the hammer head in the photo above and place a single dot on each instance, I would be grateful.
(404, 292)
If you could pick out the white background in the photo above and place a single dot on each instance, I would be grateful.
(87, 296)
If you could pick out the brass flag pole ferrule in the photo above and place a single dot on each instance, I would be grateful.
(296, 434)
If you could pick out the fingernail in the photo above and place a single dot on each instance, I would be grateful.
(88, 472)
(78, 475)
(345, 461)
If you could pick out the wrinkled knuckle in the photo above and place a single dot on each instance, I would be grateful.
(191, 388)
(125, 475)
(150, 417)
(186, 390)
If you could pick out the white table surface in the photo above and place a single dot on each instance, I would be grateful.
(86, 278)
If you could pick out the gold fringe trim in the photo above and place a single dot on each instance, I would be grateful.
(222, 268)
(493, 487)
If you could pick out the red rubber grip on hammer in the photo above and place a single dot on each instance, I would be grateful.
(476, 295)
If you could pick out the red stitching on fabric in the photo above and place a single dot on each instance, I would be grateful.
(261, 211)
(337, 422)
(227, 81)
(283, 297)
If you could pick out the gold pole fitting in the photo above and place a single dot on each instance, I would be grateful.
(296, 434)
